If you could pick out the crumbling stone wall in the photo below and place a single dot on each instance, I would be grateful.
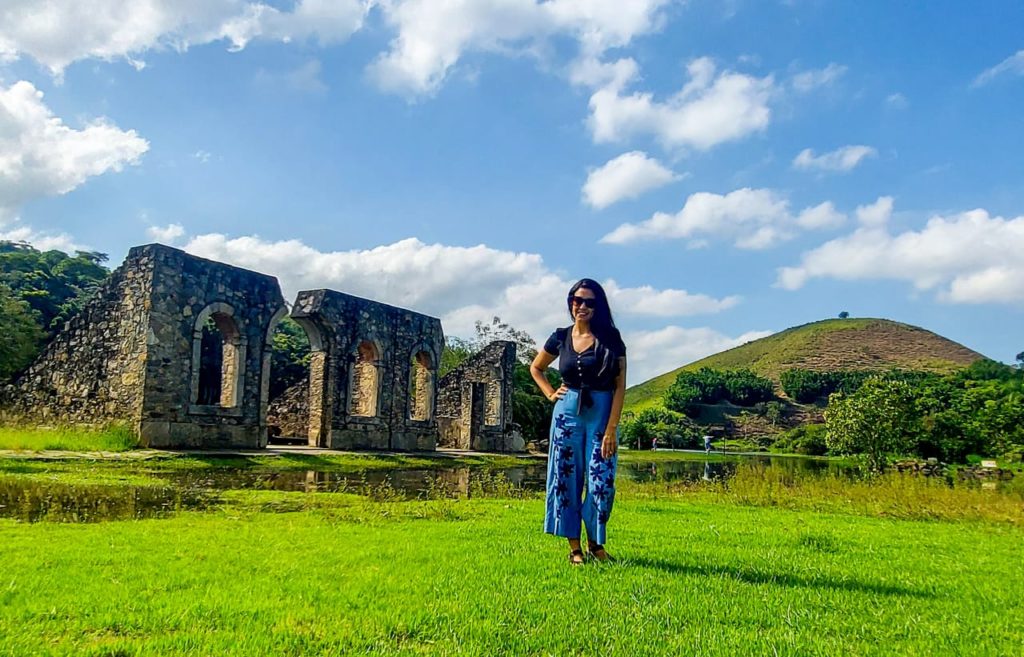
(132, 355)
(92, 372)
(475, 402)
(370, 352)
(288, 415)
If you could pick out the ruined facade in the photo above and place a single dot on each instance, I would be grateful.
(373, 374)
(474, 405)
(173, 345)
(179, 348)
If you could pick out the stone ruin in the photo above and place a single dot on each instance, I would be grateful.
(179, 348)
(475, 405)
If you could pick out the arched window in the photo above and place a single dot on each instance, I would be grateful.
(218, 358)
(492, 402)
(363, 385)
(421, 386)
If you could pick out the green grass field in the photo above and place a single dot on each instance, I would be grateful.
(758, 565)
(113, 439)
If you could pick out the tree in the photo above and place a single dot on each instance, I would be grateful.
(21, 334)
(877, 421)
(526, 348)
(844, 315)
(289, 362)
(53, 283)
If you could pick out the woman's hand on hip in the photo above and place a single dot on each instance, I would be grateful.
(558, 394)
(609, 445)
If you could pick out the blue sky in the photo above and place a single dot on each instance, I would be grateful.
(729, 169)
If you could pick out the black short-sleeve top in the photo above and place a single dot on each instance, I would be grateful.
(595, 368)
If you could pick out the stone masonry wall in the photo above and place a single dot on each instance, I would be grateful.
(93, 371)
(185, 290)
(475, 402)
(346, 322)
(288, 415)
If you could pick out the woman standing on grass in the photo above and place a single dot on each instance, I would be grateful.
(584, 442)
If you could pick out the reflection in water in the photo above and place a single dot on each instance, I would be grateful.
(33, 500)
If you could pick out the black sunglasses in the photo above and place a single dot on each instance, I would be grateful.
(583, 301)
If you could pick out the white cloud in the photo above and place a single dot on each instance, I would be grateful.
(202, 156)
(897, 101)
(877, 213)
(752, 218)
(1012, 65)
(627, 176)
(304, 78)
(967, 258)
(710, 109)
(458, 284)
(168, 234)
(810, 80)
(655, 352)
(15, 231)
(41, 156)
(841, 159)
(59, 32)
(823, 215)
(433, 36)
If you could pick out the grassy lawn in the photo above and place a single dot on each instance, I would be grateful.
(114, 439)
(773, 567)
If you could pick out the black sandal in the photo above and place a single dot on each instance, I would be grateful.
(576, 553)
(594, 548)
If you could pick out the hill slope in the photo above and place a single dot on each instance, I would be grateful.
(831, 344)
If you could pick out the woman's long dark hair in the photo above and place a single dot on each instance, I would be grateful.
(601, 323)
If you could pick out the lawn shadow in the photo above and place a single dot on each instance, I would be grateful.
(780, 579)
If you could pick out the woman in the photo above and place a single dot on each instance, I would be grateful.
(582, 457)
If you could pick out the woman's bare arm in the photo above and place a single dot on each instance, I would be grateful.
(609, 446)
(537, 368)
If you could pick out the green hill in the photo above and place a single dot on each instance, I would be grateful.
(831, 344)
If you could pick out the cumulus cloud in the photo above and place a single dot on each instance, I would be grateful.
(752, 218)
(807, 81)
(841, 159)
(655, 352)
(60, 32)
(1012, 65)
(971, 257)
(433, 36)
(458, 284)
(42, 156)
(712, 107)
(627, 176)
(168, 234)
(16, 231)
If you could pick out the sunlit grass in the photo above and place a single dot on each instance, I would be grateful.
(111, 439)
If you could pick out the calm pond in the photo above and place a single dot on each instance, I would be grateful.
(32, 500)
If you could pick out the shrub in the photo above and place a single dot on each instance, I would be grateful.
(671, 428)
(808, 439)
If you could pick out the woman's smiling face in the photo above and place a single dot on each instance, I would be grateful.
(580, 308)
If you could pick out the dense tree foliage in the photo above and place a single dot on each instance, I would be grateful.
(709, 386)
(53, 283)
(877, 421)
(672, 429)
(21, 334)
(39, 291)
(978, 410)
(289, 362)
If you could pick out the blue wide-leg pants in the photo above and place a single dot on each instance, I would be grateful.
(581, 483)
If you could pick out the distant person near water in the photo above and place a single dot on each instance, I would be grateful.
(707, 443)
(584, 423)
(654, 444)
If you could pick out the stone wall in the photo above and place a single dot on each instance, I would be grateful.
(133, 354)
(93, 371)
(373, 375)
(288, 415)
(474, 405)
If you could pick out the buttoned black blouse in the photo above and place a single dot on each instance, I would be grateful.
(594, 368)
